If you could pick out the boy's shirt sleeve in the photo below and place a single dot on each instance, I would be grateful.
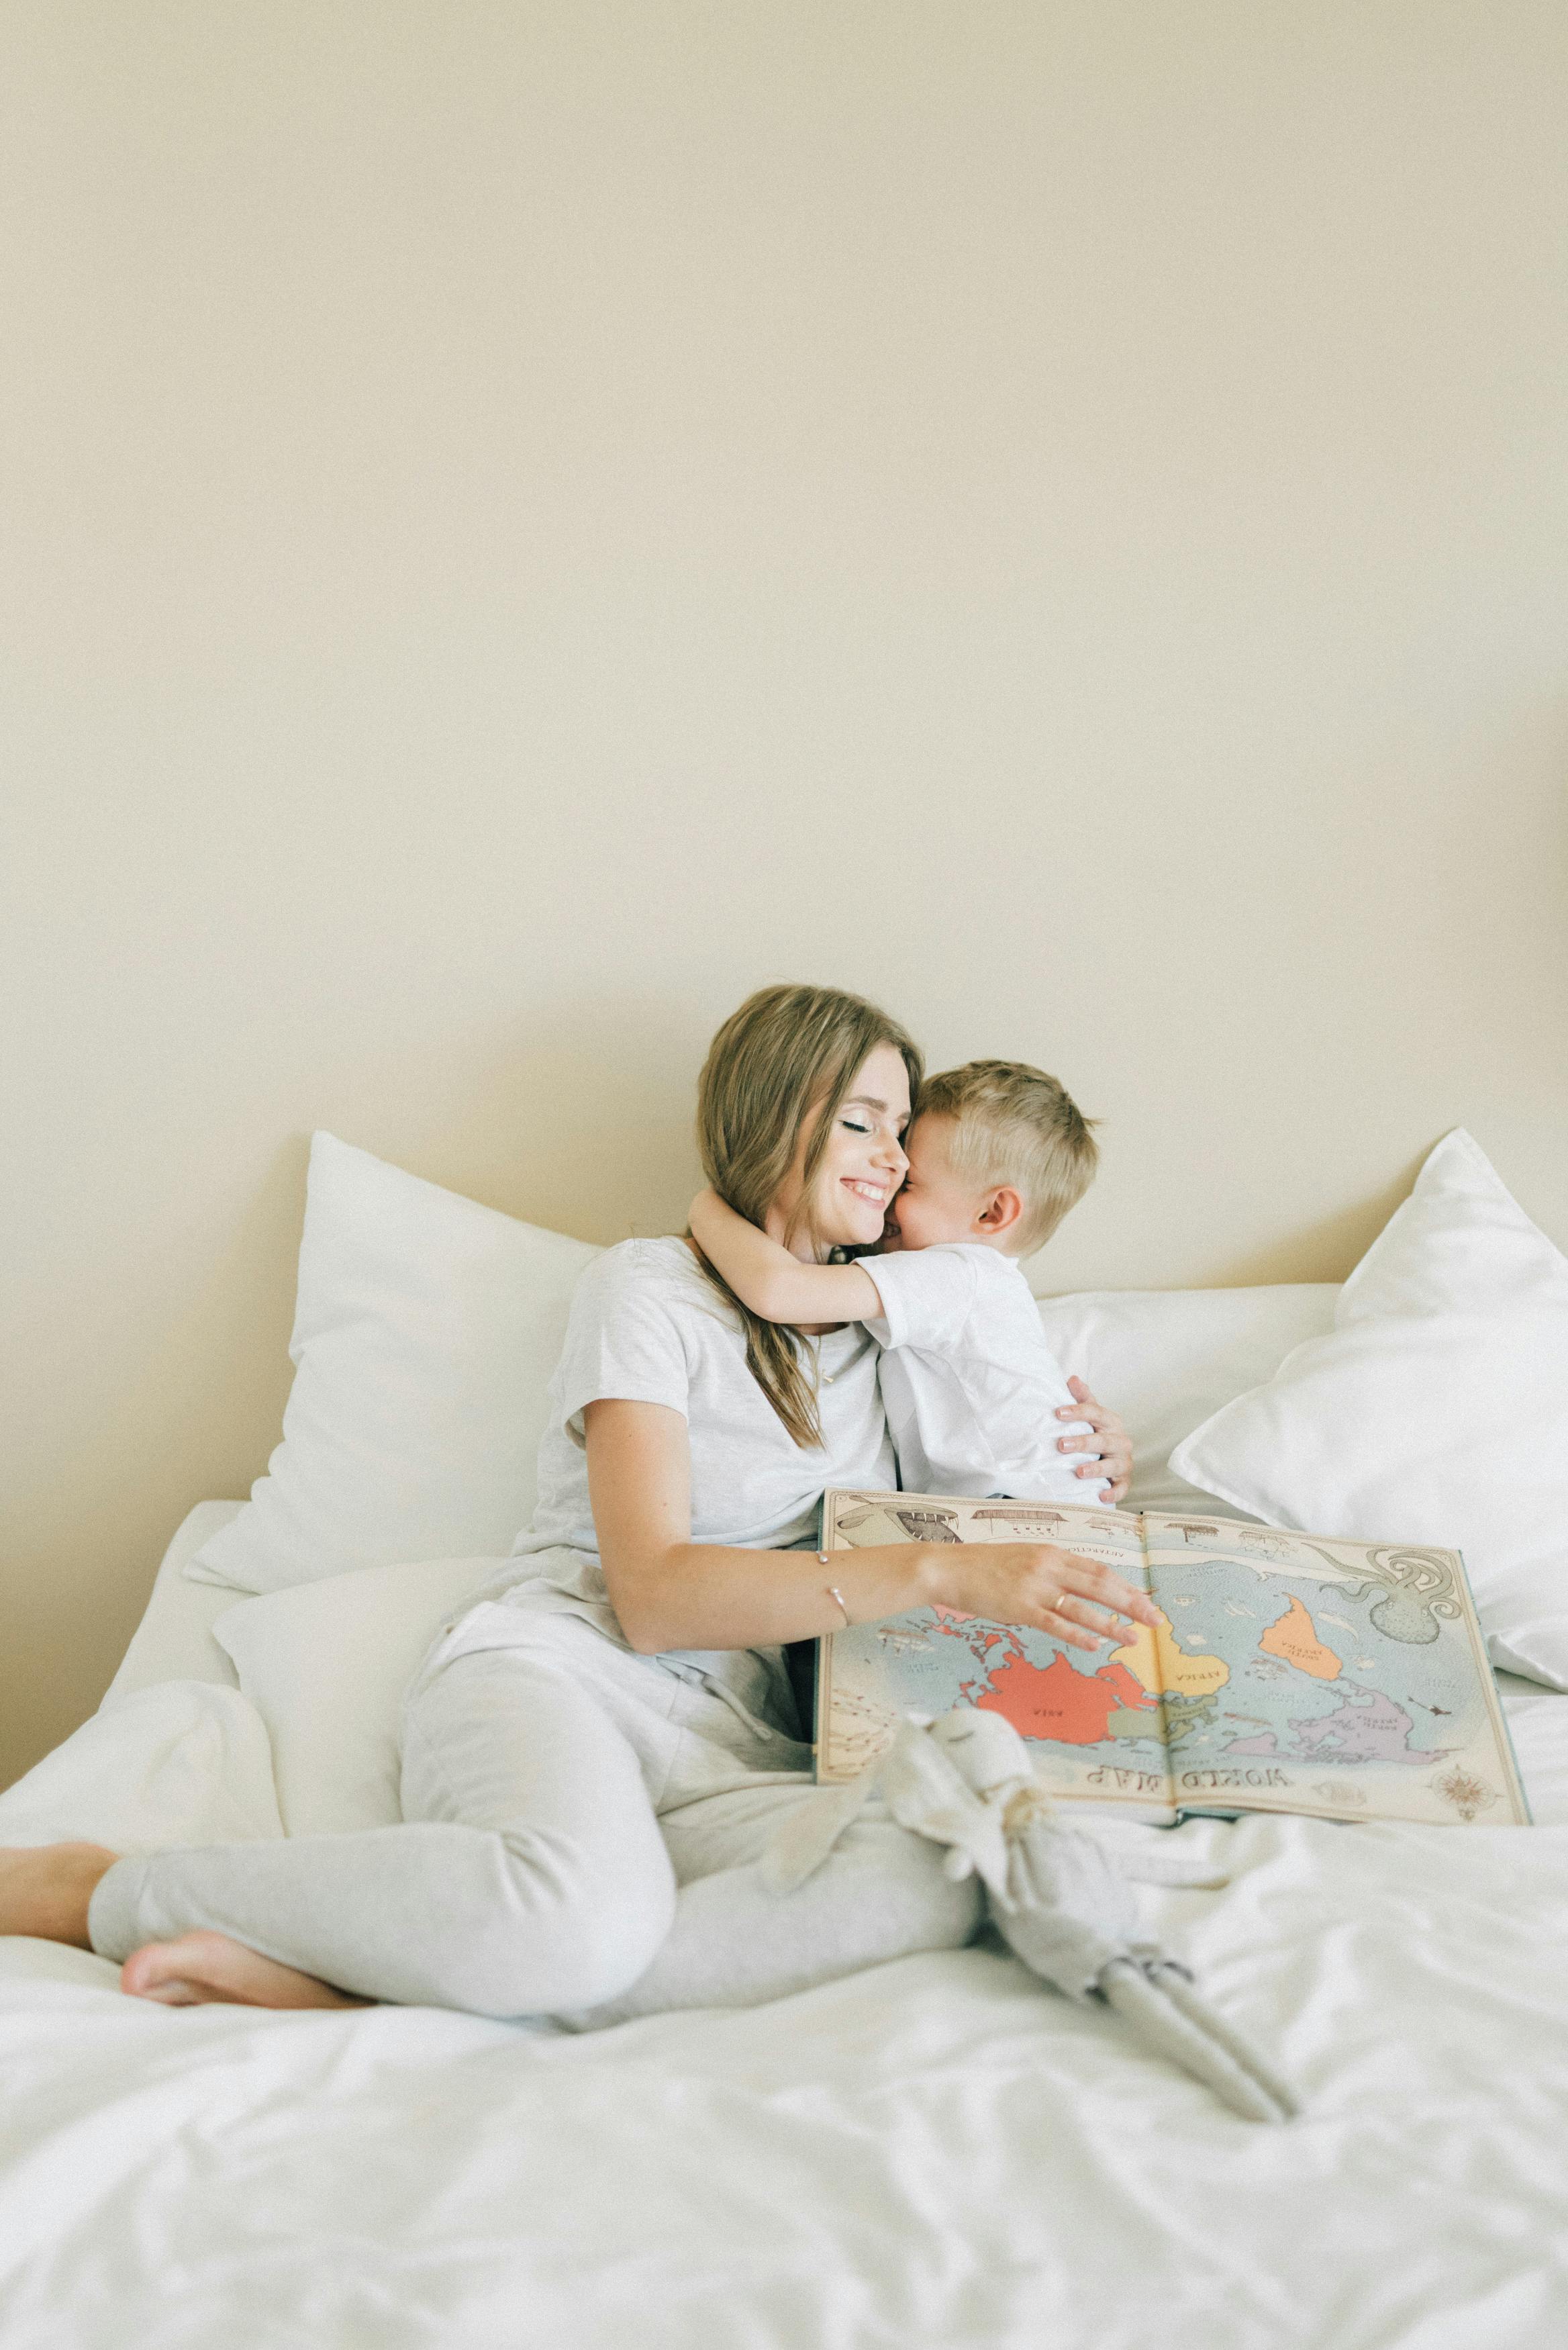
(927, 1294)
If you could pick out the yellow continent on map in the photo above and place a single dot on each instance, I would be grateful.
(1153, 1658)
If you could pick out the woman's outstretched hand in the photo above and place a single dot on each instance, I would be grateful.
(1077, 1601)
(1110, 1446)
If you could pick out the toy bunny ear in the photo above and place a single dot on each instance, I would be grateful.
(1071, 1918)
(1060, 1901)
(1160, 2003)
(799, 1848)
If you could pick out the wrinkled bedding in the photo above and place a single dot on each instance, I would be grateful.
(935, 2152)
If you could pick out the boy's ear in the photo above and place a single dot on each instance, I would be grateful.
(1001, 1211)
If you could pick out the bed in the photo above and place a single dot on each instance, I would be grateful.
(934, 2152)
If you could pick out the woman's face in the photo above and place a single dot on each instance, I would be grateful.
(862, 1165)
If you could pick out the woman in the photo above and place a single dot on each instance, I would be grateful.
(600, 1763)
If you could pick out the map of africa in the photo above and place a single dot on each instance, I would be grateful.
(1275, 1673)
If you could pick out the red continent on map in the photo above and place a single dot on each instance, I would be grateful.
(1054, 1701)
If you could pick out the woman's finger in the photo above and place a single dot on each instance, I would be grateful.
(1089, 1580)
(1117, 1602)
(1100, 1615)
(1077, 1624)
(1106, 1423)
(1071, 1636)
(1096, 1414)
(1115, 1446)
(1109, 1437)
(1092, 1617)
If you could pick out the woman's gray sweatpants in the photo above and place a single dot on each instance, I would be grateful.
(577, 1821)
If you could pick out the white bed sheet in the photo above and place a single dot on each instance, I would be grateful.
(937, 2152)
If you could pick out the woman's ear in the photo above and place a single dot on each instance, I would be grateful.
(1000, 1212)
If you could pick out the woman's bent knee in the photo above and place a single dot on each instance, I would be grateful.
(563, 1932)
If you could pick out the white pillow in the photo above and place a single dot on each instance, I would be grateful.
(425, 1333)
(427, 1329)
(1167, 1358)
(181, 1763)
(174, 1638)
(326, 1666)
(1436, 1411)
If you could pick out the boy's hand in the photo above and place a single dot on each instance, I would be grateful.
(1110, 1446)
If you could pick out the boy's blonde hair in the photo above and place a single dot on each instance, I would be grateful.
(1015, 1124)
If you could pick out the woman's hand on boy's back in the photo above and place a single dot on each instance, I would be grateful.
(1109, 1447)
(1076, 1600)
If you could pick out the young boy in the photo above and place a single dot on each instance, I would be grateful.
(998, 1153)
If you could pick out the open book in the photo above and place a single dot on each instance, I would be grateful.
(1288, 1673)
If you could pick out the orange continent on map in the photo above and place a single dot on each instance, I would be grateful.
(1293, 1638)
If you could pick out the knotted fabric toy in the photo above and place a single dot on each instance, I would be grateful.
(965, 1780)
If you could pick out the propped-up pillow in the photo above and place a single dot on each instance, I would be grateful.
(425, 1333)
(1166, 1358)
(1436, 1410)
(179, 1763)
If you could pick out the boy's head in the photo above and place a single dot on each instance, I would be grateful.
(998, 1153)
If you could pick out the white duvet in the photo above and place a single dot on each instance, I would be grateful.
(936, 2152)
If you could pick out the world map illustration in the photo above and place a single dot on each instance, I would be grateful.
(1254, 1677)
(1262, 1675)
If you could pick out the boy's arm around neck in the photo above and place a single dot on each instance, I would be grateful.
(769, 1280)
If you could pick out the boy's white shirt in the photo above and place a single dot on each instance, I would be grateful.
(970, 1386)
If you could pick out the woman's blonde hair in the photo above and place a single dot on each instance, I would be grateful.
(788, 1055)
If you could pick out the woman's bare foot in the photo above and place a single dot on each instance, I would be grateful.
(202, 1968)
(45, 1889)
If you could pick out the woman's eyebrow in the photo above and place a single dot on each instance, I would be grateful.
(869, 1101)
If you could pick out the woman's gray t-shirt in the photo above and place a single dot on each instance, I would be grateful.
(647, 1326)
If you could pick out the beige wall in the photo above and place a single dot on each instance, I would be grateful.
(523, 523)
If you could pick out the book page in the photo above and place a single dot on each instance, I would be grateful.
(1305, 1673)
(1094, 1721)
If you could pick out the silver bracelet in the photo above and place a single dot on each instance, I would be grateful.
(835, 1594)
